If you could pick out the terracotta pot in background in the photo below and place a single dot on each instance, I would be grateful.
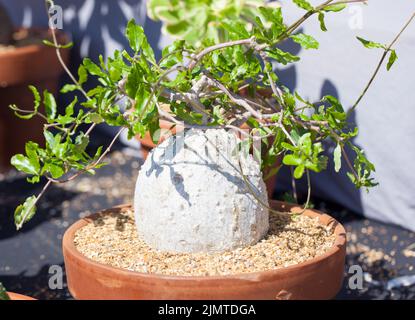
(16, 296)
(147, 143)
(318, 278)
(33, 64)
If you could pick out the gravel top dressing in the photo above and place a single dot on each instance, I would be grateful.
(112, 239)
(23, 38)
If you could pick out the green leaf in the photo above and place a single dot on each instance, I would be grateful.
(93, 68)
(392, 58)
(82, 74)
(66, 46)
(32, 149)
(54, 144)
(237, 28)
(135, 78)
(363, 170)
(322, 22)
(175, 47)
(26, 165)
(370, 44)
(299, 171)
(50, 139)
(69, 111)
(135, 35)
(291, 160)
(69, 88)
(60, 46)
(334, 102)
(70, 108)
(172, 54)
(28, 116)
(48, 43)
(180, 29)
(3, 293)
(142, 97)
(96, 118)
(306, 41)
(335, 7)
(148, 51)
(282, 56)
(36, 96)
(303, 4)
(55, 169)
(273, 16)
(169, 62)
(239, 71)
(81, 142)
(25, 212)
(50, 105)
(337, 155)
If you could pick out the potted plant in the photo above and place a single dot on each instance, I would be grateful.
(201, 226)
(196, 22)
(24, 60)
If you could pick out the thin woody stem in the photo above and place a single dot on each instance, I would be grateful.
(59, 55)
(349, 163)
(63, 64)
(328, 3)
(45, 188)
(380, 63)
(259, 47)
(50, 180)
(93, 165)
(195, 60)
(194, 96)
(300, 21)
(308, 189)
(293, 185)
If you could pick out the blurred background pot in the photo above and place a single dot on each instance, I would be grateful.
(26, 62)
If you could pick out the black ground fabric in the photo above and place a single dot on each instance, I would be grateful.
(385, 254)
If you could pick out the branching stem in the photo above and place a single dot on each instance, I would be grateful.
(380, 63)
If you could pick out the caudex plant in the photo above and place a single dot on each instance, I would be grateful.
(210, 84)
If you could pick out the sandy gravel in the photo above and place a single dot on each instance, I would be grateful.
(113, 240)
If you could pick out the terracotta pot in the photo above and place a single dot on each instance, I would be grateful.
(16, 296)
(318, 278)
(167, 129)
(20, 67)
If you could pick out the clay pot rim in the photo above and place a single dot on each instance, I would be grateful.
(340, 242)
(17, 296)
(33, 48)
